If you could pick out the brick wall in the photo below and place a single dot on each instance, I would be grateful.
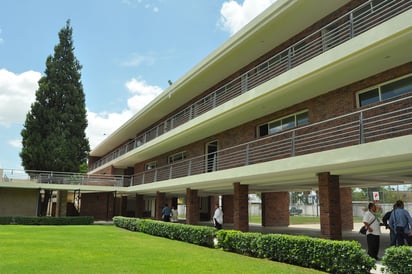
(98, 205)
(275, 209)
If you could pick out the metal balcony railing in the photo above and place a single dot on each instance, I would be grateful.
(363, 126)
(387, 120)
(66, 178)
(351, 24)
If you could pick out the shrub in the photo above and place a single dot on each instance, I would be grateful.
(199, 235)
(322, 254)
(397, 260)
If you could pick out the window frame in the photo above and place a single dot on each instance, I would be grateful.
(379, 87)
(150, 165)
(282, 127)
(182, 156)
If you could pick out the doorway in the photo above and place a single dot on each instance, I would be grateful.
(211, 156)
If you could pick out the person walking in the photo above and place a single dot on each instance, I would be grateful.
(392, 232)
(166, 213)
(372, 224)
(401, 222)
(218, 217)
(174, 214)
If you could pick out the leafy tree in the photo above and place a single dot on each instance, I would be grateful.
(54, 136)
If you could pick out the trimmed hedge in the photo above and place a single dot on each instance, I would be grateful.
(325, 255)
(23, 220)
(199, 235)
(322, 254)
(397, 260)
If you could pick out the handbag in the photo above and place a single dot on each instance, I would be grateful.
(363, 229)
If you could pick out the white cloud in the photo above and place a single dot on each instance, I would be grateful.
(136, 3)
(234, 15)
(15, 143)
(1, 39)
(100, 125)
(136, 60)
(143, 94)
(17, 93)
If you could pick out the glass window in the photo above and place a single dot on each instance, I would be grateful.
(369, 97)
(302, 118)
(396, 88)
(283, 124)
(275, 126)
(151, 165)
(177, 157)
(263, 130)
(288, 122)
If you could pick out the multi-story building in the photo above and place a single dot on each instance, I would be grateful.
(306, 97)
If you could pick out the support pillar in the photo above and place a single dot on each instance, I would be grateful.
(227, 207)
(61, 203)
(275, 209)
(192, 207)
(160, 203)
(329, 203)
(241, 207)
(346, 208)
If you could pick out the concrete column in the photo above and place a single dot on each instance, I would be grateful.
(139, 209)
(192, 207)
(61, 203)
(241, 207)
(275, 209)
(329, 203)
(346, 208)
(160, 203)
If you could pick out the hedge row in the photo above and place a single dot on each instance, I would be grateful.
(325, 255)
(397, 260)
(199, 235)
(321, 254)
(22, 220)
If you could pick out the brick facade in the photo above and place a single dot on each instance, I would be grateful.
(100, 205)
(334, 103)
(192, 207)
(228, 211)
(329, 203)
(275, 209)
(346, 208)
(240, 207)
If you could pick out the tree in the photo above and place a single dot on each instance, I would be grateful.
(54, 136)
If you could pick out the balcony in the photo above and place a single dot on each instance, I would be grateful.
(61, 180)
(346, 27)
(380, 122)
(364, 126)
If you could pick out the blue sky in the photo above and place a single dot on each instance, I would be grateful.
(129, 49)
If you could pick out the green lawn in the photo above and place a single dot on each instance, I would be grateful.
(108, 249)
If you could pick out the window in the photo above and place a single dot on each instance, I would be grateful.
(288, 122)
(385, 91)
(151, 165)
(369, 97)
(177, 157)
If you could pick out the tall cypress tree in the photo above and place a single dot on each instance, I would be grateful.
(54, 136)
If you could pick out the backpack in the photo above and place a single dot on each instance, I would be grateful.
(385, 219)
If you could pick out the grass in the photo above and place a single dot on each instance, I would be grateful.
(108, 249)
